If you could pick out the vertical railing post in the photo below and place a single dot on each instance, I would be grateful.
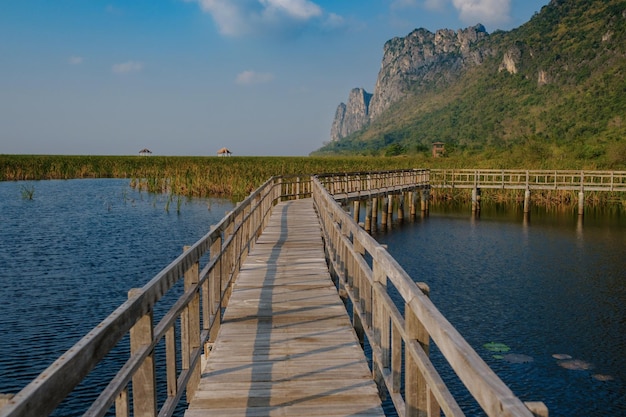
(418, 401)
(190, 333)
(215, 287)
(380, 323)
(121, 404)
(144, 380)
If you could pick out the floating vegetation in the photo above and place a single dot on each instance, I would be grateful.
(561, 356)
(575, 365)
(517, 358)
(496, 347)
(602, 377)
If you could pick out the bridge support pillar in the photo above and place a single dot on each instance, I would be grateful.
(527, 201)
(581, 203)
(357, 211)
(374, 213)
(389, 210)
(384, 213)
(413, 204)
(368, 216)
(425, 202)
(401, 207)
(475, 200)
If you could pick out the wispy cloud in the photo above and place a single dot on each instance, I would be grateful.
(113, 10)
(483, 11)
(469, 11)
(253, 17)
(127, 67)
(253, 77)
(75, 60)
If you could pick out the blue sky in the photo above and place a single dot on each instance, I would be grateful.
(187, 77)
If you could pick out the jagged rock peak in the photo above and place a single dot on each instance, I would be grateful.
(351, 117)
(423, 56)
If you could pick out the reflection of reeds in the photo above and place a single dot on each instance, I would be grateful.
(547, 198)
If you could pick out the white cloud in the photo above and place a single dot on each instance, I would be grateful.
(253, 77)
(127, 67)
(483, 11)
(76, 60)
(297, 9)
(247, 17)
(435, 4)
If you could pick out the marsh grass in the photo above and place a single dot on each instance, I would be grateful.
(28, 192)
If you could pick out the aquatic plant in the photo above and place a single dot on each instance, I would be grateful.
(28, 192)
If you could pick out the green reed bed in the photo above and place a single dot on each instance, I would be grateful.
(189, 176)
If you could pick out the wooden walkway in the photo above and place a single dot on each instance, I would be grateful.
(286, 346)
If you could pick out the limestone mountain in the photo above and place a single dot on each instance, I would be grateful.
(558, 81)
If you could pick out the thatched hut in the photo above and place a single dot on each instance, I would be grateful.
(224, 152)
(145, 152)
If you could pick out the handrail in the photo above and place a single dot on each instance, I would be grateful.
(571, 180)
(196, 315)
(387, 330)
(197, 312)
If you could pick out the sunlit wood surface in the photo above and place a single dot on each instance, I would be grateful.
(286, 346)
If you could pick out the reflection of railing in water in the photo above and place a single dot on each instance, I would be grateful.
(209, 269)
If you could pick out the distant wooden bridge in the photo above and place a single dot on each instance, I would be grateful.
(261, 330)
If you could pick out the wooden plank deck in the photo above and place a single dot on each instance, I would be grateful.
(286, 346)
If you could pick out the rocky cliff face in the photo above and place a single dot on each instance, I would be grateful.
(420, 57)
(353, 116)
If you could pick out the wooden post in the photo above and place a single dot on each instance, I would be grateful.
(390, 211)
(357, 211)
(144, 381)
(191, 337)
(380, 325)
(374, 213)
(368, 216)
(581, 203)
(413, 204)
(418, 402)
(475, 200)
(215, 288)
(425, 201)
(400, 207)
(385, 213)
(121, 404)
(538, 408)
(5, 398)
(527, 201)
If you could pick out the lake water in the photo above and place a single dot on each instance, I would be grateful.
(544, 288)
(548, 289)
(68, 258)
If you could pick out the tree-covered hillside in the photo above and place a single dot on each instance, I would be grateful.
(550, 93)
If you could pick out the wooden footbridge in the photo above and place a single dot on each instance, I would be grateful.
(261, 328)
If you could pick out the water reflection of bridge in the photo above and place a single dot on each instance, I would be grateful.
(261, 330)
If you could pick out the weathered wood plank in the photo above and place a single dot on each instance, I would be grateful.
(286, 346)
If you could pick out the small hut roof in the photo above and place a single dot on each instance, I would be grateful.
(224, 150)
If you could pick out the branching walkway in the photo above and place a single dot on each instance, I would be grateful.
(286, 346)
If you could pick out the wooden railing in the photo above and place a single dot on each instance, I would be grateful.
(351, 185)
(529, 180)
(197, 315)
(208, 270)
(389, 333)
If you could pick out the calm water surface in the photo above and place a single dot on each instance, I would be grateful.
(68, 258)
(550, 287)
